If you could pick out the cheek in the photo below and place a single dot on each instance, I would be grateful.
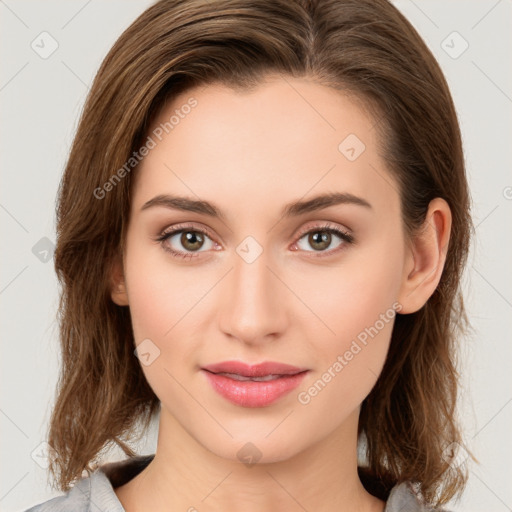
(159, 301)
(353, 296)
(160, 294)
(348, 362)
(149, 294)
(357, 306)
(165, 302)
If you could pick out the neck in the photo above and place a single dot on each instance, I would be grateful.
(184, 475)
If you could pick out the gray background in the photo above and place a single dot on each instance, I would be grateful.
(40, 100)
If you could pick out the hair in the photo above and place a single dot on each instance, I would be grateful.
(364, 48)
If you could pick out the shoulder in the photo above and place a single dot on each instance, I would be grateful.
(404, 496)
(95, 489)
(77, 498)
(96, 492)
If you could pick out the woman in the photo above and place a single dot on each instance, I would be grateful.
(267, 200)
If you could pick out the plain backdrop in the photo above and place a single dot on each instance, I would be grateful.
(42, 90)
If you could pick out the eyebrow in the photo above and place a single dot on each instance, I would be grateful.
(292, 209)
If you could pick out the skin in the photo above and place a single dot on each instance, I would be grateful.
(250, 154)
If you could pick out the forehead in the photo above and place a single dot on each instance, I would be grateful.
(287, 138)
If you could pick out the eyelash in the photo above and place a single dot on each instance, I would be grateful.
(346, 237)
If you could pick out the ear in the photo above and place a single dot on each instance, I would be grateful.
(425, 258)
(118, 284)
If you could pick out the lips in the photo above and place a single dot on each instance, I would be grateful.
(264, 369)
(257, 385)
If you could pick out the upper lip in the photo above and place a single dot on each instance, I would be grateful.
(255, 370)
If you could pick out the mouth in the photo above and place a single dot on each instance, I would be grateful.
(267, 369)
(265, 378)
(253, 386)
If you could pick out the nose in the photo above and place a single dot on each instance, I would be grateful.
(254, 301)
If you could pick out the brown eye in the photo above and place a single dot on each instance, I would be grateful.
(321, 239)
(185, 241)
(191, 240)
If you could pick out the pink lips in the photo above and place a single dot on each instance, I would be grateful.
(280, 379)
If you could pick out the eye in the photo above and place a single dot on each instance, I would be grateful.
(320, 238)
(190, 238)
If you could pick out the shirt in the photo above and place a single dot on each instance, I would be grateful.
(95, 493)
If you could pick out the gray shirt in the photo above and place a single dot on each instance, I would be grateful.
(95, 493)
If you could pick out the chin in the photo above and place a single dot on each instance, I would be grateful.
(255, 448)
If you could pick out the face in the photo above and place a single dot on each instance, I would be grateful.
(313, 288)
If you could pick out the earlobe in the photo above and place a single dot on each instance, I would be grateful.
(118, 291)
(425, 258)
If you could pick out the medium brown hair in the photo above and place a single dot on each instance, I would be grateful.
(365, 48)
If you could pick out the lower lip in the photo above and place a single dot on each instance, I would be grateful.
(250, 393)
